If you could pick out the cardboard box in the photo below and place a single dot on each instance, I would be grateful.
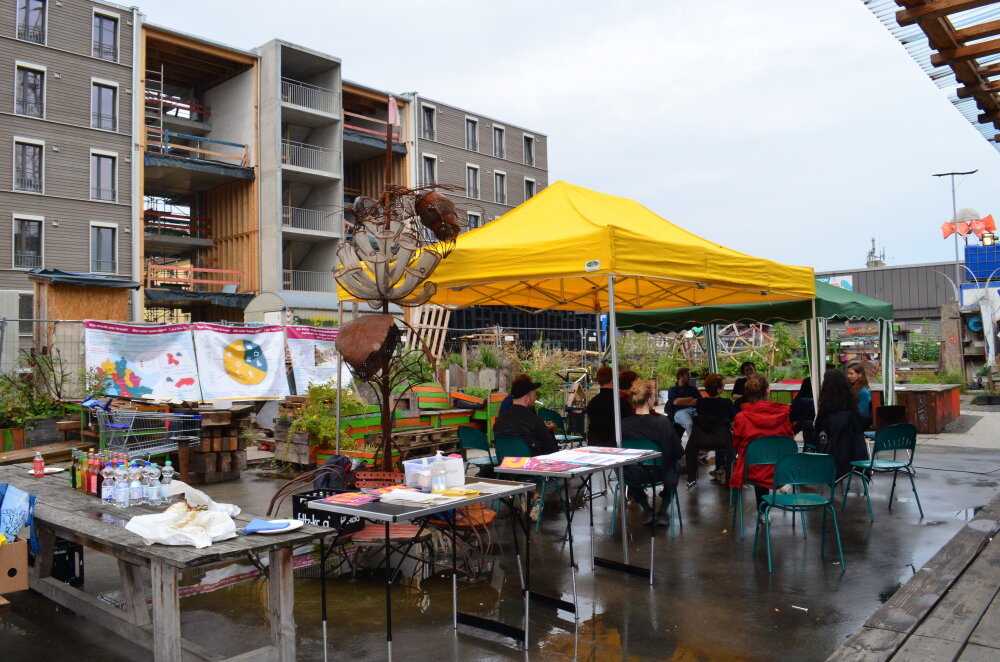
(14, 567)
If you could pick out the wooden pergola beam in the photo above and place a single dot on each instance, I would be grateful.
(936, 9)
(964, 53)
(981, 31)
(989, 87)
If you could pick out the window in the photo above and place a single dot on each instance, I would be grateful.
(500, 188)
(31, 20)
(430, 170)
(102, 176)
(429, 119)
(106, 37)
(103, 248)
(498, 137)
(28, 167)
(529, 188)
(529, 150)
(103, 109)
(26, 311)
(475, 221)
(472, 181)
(471, 135)
(29, 92)
(27, 243)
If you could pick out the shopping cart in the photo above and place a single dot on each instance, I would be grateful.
(145, 433)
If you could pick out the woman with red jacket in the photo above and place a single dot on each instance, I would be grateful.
(758, 417)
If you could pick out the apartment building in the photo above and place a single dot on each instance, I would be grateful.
(492, 166)
(66, 137)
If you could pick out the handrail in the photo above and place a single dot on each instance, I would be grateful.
(309, 96)
(396, 131)
(160, 138)
(153, 279)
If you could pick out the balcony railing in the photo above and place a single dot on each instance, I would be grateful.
(309, 96)
(103, 121)
(176, 225)
(174, 106)
(184, 277)
(307, 156)
(370, 125)
(105, 193)
(30, 184)
(310, 219)
(309, 281)
(35, 33)
(105, 51)
(27, 260)
(187, 146)
(103, 266)
(29, 108)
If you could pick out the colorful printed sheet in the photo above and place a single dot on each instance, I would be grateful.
(314, 357)
(241, 362)
(350, 498)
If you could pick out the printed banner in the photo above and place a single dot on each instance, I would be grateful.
(143, 361)
(240, 362)
(314, 356)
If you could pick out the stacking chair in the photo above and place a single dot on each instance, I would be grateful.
(515, 447)
(675, 506)
(470, 438)
(898, 437)
(801, 469)
(562, 438)
(765, 450)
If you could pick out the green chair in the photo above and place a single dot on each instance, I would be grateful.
(898, 437)
(761, 451)
(562, 438)
(801, 469)
(470, 438)
(514, 447)
(675, 506)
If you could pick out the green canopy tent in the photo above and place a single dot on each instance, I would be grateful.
(831, 303)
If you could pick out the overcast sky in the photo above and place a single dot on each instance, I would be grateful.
(794, 130)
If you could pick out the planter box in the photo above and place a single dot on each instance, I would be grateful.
(41, 431)
(294, 453)
(12, 439)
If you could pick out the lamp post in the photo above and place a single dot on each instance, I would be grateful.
(954, 216)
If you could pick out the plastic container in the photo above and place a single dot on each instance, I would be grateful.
(417, 472)
(455, 476)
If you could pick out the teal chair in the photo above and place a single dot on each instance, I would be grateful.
(515, 447)
(796, 470)
(898, 437)
(675, 506)
(765, 450)
(562, 438)
(470, 438)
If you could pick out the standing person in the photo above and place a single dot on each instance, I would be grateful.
(862, 392)
(661, 431)
(522, 422)
(601, 411)
(712, 430)
(682, 399)
(758, 417)
(747, 368)
(508, 401)
(840, 427)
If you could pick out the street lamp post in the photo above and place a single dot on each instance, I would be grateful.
(954, 219)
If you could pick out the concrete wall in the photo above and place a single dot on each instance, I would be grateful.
(270, 167)
(915, 291)
(234, 115)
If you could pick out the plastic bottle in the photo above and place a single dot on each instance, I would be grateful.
(108, 483)
(74, 456)
(135, 484)
(121, 489)
(93, 476)
(439, 474)
(81, 471)
(38, 464)
(154, 496)
(168, 475)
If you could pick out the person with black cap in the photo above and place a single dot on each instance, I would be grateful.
(522, 422)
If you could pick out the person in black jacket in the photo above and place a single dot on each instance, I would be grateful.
(712, 431)
(840, 423)
(659, 429)
(601, 411)
(522, 422)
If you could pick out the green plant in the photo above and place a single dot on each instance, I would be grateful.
(488, 357)
(477, 392)
(32, 390)
(318, 416)
(542, 364)
(95, 382)
(786, 344)
(924, 346)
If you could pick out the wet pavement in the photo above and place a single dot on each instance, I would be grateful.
(710, 600)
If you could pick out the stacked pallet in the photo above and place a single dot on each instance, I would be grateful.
(222, 454)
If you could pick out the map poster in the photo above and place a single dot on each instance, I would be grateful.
(241, 362)
(143, 361)
(314, 356)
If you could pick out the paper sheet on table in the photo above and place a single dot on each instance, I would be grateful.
(400, 496)
(487, 488)
(613, 450)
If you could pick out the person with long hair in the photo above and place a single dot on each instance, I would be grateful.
(658, 429)
(858, 379)
(747, 368)
(712, 431)
(758, 417)
(839, 425)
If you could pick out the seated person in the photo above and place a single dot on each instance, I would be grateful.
(747, 368)
(841, 424)
(681, 400)
(522, 422)
(508, 401)
(625, 381)
(758, 417)
(601, 411)
(661, 431)
(712, 430)
(803, 413)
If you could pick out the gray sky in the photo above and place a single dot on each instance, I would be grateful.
(794, 130)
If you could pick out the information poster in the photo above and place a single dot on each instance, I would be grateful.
(314, 356)
(241, 362)
(143, 361)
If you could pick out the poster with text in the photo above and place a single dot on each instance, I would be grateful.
(314, 356)
(241, 362)
(143, 361)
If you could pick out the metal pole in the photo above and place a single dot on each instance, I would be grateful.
(340, 370)
(954, 220)
(616, 401)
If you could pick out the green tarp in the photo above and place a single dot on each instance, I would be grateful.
(831, 303)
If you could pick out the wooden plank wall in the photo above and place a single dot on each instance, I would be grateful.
(373, 174)
(235, 234)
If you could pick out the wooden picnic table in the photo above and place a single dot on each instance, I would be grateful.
(65, 513)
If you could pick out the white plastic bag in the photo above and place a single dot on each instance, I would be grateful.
(199, 528)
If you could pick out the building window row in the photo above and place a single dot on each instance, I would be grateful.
(29, 170)
(428, 130)
(32, 20)
(29, 97)
(29, 246)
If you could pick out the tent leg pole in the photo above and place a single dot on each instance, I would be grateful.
(616, 400)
